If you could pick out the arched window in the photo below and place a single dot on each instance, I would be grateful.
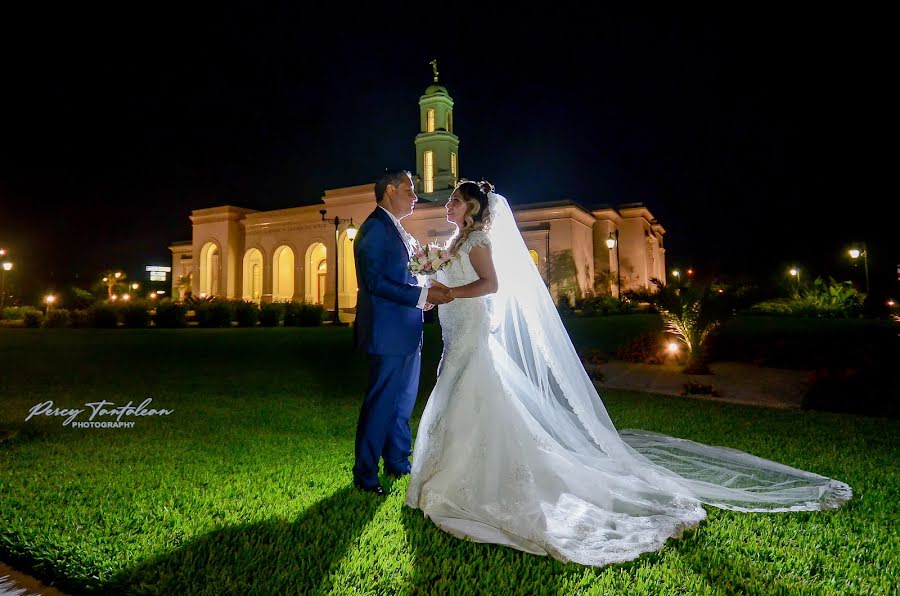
(322, 270)
(429, 120)
(453, 165)
(449, 122)
(429, 171)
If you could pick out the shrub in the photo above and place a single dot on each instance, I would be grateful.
(79, 318)
(303, 314)
(646, 347)
(103, 315)
(602, 304)
(135, 314)
(270, 314)
(170, 314)
(246, 313)
(215, 313)
(78, 298)
(57, 318)
(33, 318)
(830, 299)
(15, 313)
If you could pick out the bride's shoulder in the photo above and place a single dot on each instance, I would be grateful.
(477, 238)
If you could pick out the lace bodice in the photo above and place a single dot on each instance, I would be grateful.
(465, 319)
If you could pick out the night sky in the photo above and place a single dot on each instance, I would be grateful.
(753, 138)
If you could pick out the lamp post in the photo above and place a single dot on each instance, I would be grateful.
(855, 253)
(613, 242)
(6, 267)
(794, 272)
(49, 299)
(351, 234)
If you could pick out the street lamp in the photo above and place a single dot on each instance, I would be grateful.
(611, 243)
(6, 267)
(855, 253)
(49, 299)
(351, 234)
(676, 273)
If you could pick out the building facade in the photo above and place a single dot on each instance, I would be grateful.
(292, 254)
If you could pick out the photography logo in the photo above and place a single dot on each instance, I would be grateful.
(102, 414)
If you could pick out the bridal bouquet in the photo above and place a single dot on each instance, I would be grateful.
(428, 260)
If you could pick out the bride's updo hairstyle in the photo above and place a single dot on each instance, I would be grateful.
(478, 216)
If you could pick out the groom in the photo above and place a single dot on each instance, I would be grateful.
(389, 328)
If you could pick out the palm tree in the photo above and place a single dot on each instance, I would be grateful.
(111, 279)
(183, 285)
(693, 313)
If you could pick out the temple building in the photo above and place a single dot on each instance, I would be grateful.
(292, 254)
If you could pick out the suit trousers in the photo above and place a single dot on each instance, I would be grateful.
(383, 427)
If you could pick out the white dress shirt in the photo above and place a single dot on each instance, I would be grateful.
(409, 241)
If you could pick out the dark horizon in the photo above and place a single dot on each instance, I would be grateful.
(749, 139)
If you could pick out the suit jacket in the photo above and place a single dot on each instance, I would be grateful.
(388, 320)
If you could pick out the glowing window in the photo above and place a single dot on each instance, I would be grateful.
(323, 265)
(534, 256)
(453, 164)
(429, 171)
(429, 118)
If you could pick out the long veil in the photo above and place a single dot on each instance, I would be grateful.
(566, 404)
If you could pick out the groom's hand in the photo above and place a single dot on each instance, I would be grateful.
(438, 293)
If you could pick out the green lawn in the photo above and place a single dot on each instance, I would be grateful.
(246, 487)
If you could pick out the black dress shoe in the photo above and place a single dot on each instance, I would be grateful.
(375, 489)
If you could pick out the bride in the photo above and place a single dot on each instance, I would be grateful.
(515, 446)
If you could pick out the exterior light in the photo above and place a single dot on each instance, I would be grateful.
(118, 274)
(2, 252)
(351, 231)
(610, 242)
(672, 347)
(793, 272)
(160, 291)
(891, 303)
(135, 286)
(152, 295)
(7, 266)
(855, 253)
(690, 272)
(49, 298)
(113, 297)
(105, 279)
(203, 294)
(126, 297)
(676, 273)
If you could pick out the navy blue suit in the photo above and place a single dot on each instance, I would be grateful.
(388, 327)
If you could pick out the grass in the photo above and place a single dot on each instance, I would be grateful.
(245, 488)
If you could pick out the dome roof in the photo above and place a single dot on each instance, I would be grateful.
(433, 89)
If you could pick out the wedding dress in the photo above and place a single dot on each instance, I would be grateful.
(516, 448)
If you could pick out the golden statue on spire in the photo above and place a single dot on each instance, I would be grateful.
(433, 64)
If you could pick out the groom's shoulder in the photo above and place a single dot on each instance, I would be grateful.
(377, 218)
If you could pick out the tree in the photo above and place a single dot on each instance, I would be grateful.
(562, 273)
(112, 279)
(183, 285)
(692, 313)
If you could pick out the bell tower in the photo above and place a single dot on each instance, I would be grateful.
(437, 148)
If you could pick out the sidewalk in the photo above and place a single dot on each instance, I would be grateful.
(738, 382)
